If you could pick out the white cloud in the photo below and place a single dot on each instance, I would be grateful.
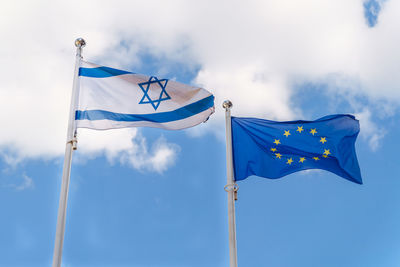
(369, 130)
(158, 159)
(252, 53)
(126, 146)
(113, 142)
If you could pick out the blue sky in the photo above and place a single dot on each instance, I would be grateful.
(148, 197)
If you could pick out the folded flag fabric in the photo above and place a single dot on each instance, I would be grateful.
(274, 149)
(111, 98)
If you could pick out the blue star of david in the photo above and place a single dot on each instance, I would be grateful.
(146, 87)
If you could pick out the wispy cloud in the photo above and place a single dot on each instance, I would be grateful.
(10, 158)
(369, 130)
(25, 182)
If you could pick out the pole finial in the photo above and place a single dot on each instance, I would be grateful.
(80, 42)
(227, 104)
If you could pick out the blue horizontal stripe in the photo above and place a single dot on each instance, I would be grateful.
(162, 117)
(101, 72)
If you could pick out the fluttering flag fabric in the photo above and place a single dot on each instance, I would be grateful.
(274, 149)
(111, 98)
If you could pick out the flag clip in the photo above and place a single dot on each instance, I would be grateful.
(232, 187)
(74, 142)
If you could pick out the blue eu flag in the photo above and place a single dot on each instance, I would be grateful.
(273, 149)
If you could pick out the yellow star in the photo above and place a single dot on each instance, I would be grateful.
(289, 161)
(323, 140)
(325, 156)
(287, 133)
(273, 149)
(278, 155)
(277, 142)
(313, 131)
(326, 152)
(302, 160)
(299, 129)
(316, 158)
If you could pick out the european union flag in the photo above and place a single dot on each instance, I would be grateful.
(273, 149)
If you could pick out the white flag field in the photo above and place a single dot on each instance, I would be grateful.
(110, 98)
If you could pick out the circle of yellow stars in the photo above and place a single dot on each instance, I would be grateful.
(290, 160)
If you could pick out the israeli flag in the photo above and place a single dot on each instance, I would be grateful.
(111, 98)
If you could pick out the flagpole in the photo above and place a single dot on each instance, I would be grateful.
(70, 146)
(231, 187)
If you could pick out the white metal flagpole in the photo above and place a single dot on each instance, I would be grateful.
(231, 188)
(70, 146)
